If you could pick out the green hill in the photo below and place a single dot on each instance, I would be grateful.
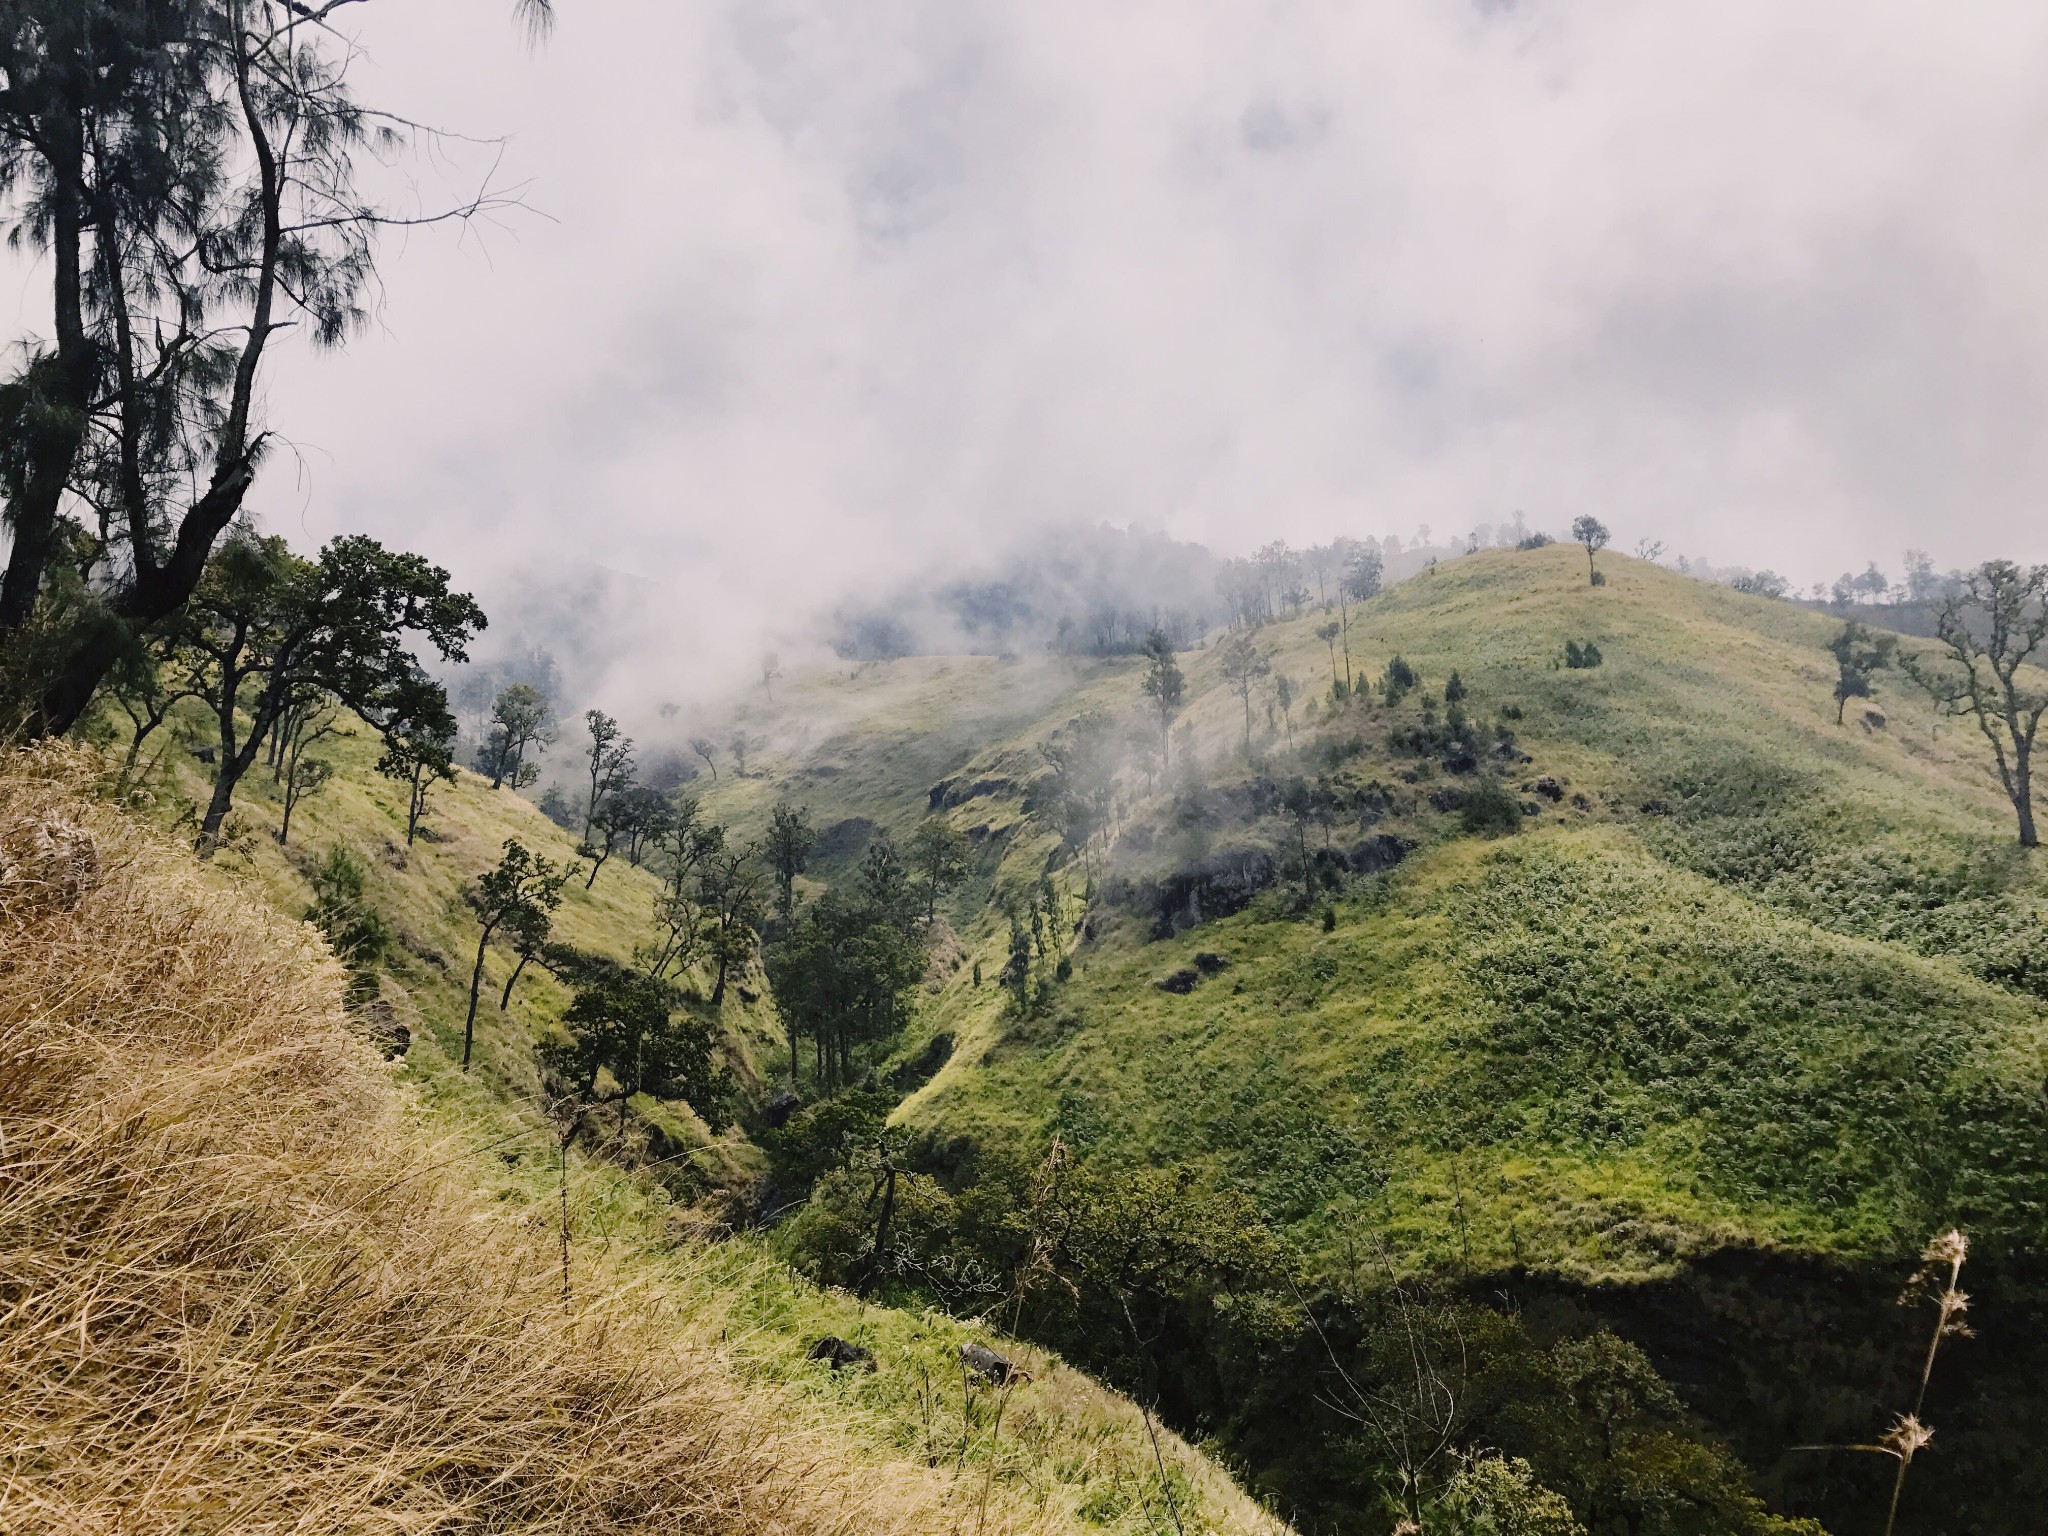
(1734, 988)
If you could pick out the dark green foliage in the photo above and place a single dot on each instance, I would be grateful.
(1858, 653)
(277, 636)
(791, 837)
(625, 1033)
(554, 804)
(610, 756)
(1579, 655)
(822, 1137)
(1398, 680)
(845, 972)
(419, 744)
(1490, 809)
(1455, 690)
(345, 918)
(184, 175)
(1590, 532)
(517, 898)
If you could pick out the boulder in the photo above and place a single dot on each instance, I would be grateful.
(836, 1352)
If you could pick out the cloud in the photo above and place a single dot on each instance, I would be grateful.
(826, 288)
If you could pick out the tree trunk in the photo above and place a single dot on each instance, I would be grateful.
(2023, 790)
(874, 1267)
(416, 803)
(505, 999)
(476, 980)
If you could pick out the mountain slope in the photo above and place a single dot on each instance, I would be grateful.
(1750, 977)
(349, 1279)
(1700, 1041)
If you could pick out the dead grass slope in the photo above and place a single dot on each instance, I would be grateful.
(238, 1293)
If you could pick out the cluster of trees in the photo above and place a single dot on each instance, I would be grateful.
(278, 649)
(186, 177)
(1281, 582)
(846, 965)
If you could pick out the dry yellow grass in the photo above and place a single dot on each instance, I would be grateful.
(237, 1294)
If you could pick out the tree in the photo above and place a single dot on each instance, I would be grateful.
(1361, 584)
(419, 745)
(307, 776)
(939, 858)
(791, 837)
(1989, 630)
(704, 747)
(519, 895)
(1327, 633)
(644, 814)
(630, 1027)
(1397, 680)
(611, 762)
(278, 633)
(771, 669)
(729, 893)
(1455, 691)
(1164, 686)
(742, 744)
(1592, 533)
(684, 845)
(1283, 694)
(521, 719)
(150, 684)
(1082, 756)
(612, 825)
(1243, 664)
(846, 973)
(303, 774)
(1858, 652)
(186, 174)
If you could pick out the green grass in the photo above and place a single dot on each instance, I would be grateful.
(1787, 1004)
(1065, 1448)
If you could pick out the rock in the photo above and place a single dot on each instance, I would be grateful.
(1381, 851)
(991, 1367)
(1874, 719)
(1180, 982)
(1208, 962)
(837, 1352)
(778, 1109)
(1549, 788)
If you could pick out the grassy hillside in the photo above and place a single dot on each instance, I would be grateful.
(1752, 977)
(391, 1244)
(1733, 991)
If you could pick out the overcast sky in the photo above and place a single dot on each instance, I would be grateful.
(821, 286)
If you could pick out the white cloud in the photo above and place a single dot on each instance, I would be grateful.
(828, 285)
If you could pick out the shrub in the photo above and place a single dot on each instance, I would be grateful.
(1489, 809)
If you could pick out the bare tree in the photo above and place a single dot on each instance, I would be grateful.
(1989, 630)
(706, 748)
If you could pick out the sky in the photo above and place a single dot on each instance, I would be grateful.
(807, 291)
